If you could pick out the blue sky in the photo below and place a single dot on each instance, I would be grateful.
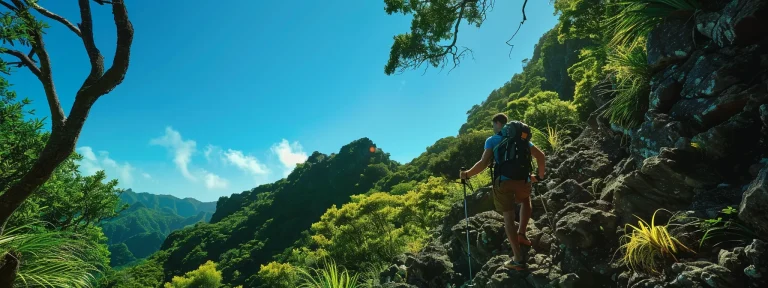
(221, 98)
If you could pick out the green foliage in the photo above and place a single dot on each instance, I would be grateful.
(20, 140)
(278, 275)
(557, 113)
(52, 258)
(330, 276)
(630, 68)
(206, 276)
(636, 18)
(146, 273)
(587, 73)
(581, 19)
(433, 23)
(725, 230)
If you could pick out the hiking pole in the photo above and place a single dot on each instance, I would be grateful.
(466, 220)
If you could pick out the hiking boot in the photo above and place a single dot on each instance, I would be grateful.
(523, 240)
(511, 264)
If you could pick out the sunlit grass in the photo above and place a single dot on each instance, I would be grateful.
(50, 258)
(649, 245)
(633, 75)
(636, 18)
(330, 276)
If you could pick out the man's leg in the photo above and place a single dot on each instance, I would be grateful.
(511, 229)
(525, 215)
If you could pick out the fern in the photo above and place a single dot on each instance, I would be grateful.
(51, 258)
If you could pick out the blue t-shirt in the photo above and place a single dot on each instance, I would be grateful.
(495, 140)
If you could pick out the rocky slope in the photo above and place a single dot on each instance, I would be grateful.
(701, 148)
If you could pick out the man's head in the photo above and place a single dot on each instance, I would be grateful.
(498, 122)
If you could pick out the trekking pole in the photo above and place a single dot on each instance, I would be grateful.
(466, 220)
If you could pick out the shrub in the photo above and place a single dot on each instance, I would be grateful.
(556, 113)
(205, 276)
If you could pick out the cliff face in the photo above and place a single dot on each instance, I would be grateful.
(701, 148)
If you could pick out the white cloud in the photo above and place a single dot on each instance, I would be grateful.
(146, 175)
(246, 163)
(210, 149)
(181, 148)
(90, 164)
(213, 181)
(289, 154)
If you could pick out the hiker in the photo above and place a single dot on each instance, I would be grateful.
(512, 179)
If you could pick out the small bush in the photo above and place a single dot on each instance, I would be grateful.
(205, 276)
(556, 113)
(647, 246)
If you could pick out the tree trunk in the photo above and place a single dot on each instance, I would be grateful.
(8, 269)
(58, 148)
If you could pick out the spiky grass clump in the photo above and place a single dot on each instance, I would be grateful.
(647, 246)
(330, 276)
(51, 258)
(636, 18)
(629, 66)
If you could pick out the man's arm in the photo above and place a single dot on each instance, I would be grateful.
(540, 160)
(480, 165)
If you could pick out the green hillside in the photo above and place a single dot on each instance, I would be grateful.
(140, 230)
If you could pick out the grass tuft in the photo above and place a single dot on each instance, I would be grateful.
(649, 245)
(629, 66)
(330, 276)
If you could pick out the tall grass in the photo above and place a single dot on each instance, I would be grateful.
(636, 18)
(649, 245)
(51, 258)
(330, 276)
(629, 66)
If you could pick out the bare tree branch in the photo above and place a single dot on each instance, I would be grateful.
(24, 60)
(115, 74)
(45, 75)
(53, 16)
(518, 29)
(86, 29)
(8, 5)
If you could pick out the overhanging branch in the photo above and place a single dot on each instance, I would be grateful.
(53, 16)
(24, 60)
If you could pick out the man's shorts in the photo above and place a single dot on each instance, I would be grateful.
(508, 192)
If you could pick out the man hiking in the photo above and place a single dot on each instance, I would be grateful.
(512, 179)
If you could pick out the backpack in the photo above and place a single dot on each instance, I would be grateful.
(513, 153)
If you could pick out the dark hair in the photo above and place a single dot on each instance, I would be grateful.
(500, 117)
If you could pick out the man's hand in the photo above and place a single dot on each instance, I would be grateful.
(536, 178)
(463, 175)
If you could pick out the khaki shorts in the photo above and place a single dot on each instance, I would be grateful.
(508, 192)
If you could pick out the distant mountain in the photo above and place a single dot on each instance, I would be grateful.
(183, 207)
(141, 229)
